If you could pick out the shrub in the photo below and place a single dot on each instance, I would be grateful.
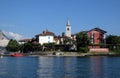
(83, 49)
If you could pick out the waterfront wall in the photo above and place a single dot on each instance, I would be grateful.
(99, 50)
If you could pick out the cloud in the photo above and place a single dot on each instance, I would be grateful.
(12, 35)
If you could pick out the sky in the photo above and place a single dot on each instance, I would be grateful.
(28, 18)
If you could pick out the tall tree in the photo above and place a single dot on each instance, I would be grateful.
(13, 46)
(113, 39)
(82, 40)
(113, 42)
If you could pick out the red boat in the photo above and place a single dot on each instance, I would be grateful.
(17, 55)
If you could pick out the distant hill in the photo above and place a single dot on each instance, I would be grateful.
(12, 35)
(3, 39)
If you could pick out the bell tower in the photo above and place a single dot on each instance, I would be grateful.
(68, 29)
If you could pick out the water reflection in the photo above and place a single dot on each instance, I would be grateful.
(60, 67)
(97, 67)
(56, 67)
(74, 67)
(18, 67)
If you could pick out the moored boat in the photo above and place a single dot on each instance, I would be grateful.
(17, 55)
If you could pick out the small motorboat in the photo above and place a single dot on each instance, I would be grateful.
(17, 54)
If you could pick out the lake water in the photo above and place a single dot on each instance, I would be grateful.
(60, 67)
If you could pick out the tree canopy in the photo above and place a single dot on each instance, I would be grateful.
(13, 46)
(113, 39)
(82, 41)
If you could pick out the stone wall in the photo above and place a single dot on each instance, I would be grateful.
(99, 50)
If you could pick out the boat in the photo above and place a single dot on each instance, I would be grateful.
(17, 55)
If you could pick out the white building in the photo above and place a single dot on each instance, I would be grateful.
(3, 40)
(45, 37)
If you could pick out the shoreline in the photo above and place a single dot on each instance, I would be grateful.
(75, 54)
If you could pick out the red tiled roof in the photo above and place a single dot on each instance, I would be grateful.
(25, 40)
(65, 37)
(56, 39)
(98, 29)
(46, 33)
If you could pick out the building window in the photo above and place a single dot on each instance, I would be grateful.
(92, 38)
(48, 37)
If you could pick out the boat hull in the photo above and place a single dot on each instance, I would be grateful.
(17, 55)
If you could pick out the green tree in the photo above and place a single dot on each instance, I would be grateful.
(27, 47)
(13, 46)
(49, 46)
(82, 41)
(30, 46)
(113, 42)
(113, 39)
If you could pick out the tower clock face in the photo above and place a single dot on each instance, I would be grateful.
(68, 29)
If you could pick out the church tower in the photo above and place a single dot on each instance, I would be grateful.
(68, 29)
